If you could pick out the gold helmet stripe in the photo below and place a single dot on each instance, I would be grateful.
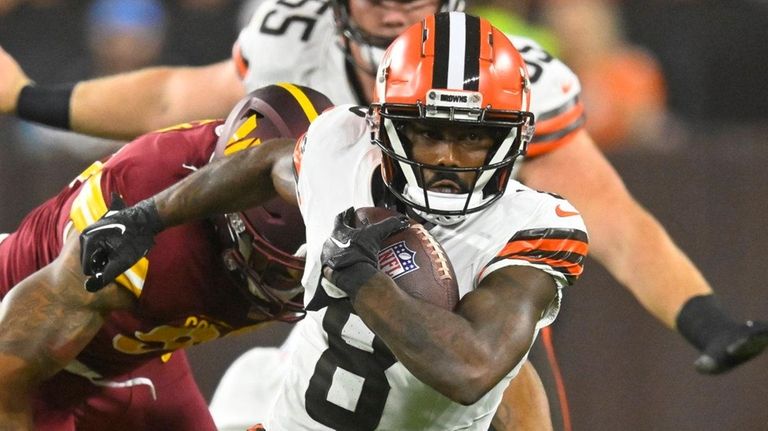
(301, 97)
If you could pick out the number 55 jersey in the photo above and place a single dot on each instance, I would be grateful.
(342, 375)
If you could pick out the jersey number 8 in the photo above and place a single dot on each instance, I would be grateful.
(343, 362)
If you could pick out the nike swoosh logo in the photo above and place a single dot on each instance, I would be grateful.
(111, 226)
(564, 213)
(339, 243)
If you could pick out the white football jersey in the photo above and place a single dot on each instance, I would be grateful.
(342, 376)
(295, 41)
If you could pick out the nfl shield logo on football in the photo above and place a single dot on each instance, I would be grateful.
(397, 260)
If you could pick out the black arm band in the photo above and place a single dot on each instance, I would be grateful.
(45, 105)
(702, 319)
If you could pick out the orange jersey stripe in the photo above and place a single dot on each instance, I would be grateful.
(561, 121)
(537, 149)
(562, 245)
(562, 249)
(557, 131)
(571, 269)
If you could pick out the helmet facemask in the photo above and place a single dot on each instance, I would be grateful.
(270, 277)
(456, 70)
(405, 177)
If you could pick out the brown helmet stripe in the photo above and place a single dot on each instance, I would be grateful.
(457, 52)
(442, 40)
(472, 54)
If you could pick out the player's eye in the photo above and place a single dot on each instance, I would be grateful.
(432, 135)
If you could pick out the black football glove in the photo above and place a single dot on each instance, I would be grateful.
(117, 241)
(723, 342)
(352, 253)
(733, 347)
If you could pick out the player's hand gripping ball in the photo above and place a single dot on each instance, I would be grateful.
(415, 261)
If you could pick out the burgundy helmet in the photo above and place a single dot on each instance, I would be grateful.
(263, 246)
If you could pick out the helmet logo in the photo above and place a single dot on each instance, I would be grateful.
(236, 142)
(454, 99)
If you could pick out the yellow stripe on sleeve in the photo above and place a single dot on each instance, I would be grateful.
(89, 206)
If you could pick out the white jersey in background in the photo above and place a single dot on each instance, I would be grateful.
(297, 43)
(342, 376)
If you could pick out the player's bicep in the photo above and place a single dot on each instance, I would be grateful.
(48, 318)
(521, 294)
(504, 312)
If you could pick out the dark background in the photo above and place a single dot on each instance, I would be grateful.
(706, 182)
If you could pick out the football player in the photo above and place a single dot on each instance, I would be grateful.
(106, 356)
(449, 120)
(332, 46)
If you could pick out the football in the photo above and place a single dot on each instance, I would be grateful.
(415, 261)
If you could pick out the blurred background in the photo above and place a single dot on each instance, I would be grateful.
(676, 93)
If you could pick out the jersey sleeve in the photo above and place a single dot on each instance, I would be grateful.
(90, 204)
(555, 102)
(558, 251)
(139, 170)
(326, 143)
(555, 241)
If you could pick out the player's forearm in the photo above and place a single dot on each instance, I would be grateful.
(32, 345)
(48, 318)
(649, 264)
(624, 237)
(127, 105)
(134, 103)
(16, 417)
(525, 406)
(15, 395)
(19, 377)
(122, 106)
(238, 182)
(440, 348)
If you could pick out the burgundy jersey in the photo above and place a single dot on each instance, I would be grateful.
(184, 294)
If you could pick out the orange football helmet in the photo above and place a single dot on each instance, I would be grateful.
(458, 68)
